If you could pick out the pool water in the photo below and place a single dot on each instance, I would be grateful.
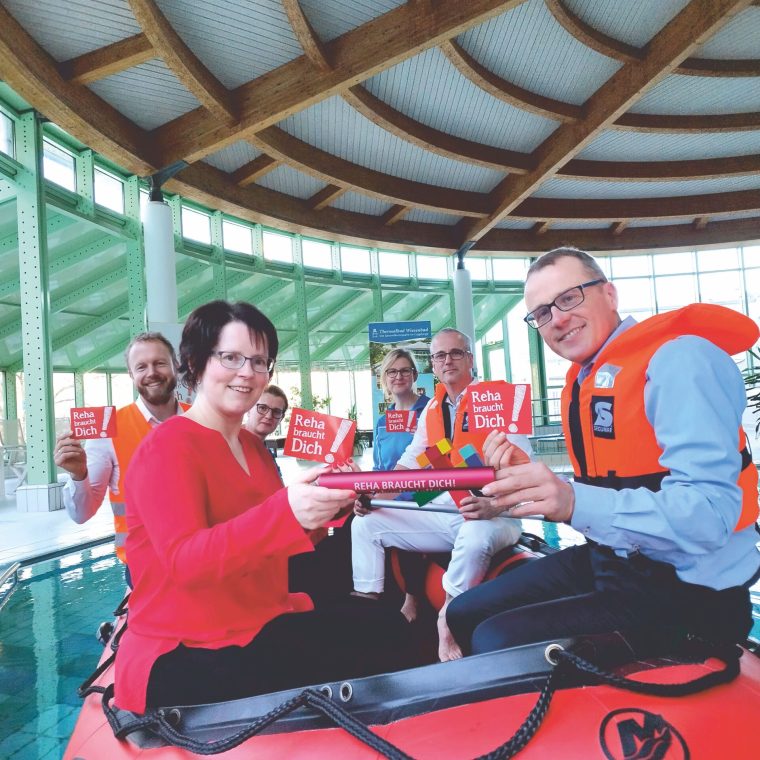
(48, 645)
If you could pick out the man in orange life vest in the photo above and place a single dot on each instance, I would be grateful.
(102, 464)
(475, 532)
(664, 491)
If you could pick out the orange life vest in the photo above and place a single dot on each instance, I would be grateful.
(436, 431)
(610, 441)
(131, 428)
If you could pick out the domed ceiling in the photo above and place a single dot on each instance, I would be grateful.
(432, 124)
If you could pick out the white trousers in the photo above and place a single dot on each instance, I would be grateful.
(472, 544)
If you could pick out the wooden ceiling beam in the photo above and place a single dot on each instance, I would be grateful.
(357, 55)
(312, 46)
(700, 222)
(33, 73)
(325, 196)
(618, 227)
(674, 123)
(541, 228)
(728, 232)
(622, 51)
(506, 91)
(393, 214)
(108, 60)
(187, 67)
(618, 209)
(337, 171)
(460, 149)
(253, 170)
(671, 45)
(428, 138)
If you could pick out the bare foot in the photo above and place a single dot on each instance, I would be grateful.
(448, 649)
(366, 594)
(411, 607)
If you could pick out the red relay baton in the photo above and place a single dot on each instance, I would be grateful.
(453, 479)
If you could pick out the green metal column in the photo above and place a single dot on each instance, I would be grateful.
(218, 265)
(109, 390)
(79, 389)
(35, 312)
(505, 344)
(304, 350)
(85, 172)
(136, 291)
(538, 377)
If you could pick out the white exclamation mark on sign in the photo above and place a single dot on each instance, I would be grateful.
(520, 391)
(107, 411)
(340, 436)
(410, 420)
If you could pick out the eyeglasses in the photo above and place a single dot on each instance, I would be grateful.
(264, 410)
(403, 372)
(565, 301)
(456, 354)
(235, 360)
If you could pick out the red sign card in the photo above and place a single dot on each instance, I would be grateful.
(499, 405)
(93, 422)
(401, 420)
(320, 437)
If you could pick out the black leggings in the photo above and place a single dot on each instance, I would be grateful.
(585, 590)
(348, 640)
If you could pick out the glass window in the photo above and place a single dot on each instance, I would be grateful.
(341, 402)
(673, 263)
(495, 334)
(752, 278)
(635, 294)
(122, 389)
(675, 291)
(354, 259)
(363, 395)
(496, 366)
(721, 287)
(63, 399)
(237, 237)
(109, 191)
(713, 261)
(432, 268)
(604, 263)
(320, 392)
(394, 264)
(317, 254)
(278, 247)
(631, 266)
(6, 134)
(58, 165)
(95, 389)
(752, 256)
(196, 225)
(509, 269)
(478, 268)
(519, 352)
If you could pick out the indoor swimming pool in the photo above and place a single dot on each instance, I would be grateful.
(48, 645)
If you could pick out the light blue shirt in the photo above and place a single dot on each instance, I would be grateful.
(694, 398)
(388, 447)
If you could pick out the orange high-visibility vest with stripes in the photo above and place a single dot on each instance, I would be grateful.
(609, 438)
(131, 428)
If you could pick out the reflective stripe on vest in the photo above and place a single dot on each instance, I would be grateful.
(611, 442)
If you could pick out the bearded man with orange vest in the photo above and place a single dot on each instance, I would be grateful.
(103, 462)
(474, 533)
(665, 491)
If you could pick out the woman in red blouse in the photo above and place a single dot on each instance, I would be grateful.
(210, 532)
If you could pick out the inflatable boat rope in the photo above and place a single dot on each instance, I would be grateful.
(565, 663)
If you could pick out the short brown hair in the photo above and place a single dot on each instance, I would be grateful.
(150, 337)
(275, 390)
(550, 258)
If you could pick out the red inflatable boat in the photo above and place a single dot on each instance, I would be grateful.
(616, 697)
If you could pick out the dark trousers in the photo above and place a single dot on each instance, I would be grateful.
(356, 638)
(587, 589)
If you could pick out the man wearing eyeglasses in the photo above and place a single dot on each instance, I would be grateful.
(102, 463)
(268, 413)
(665, 491)
(475, 532)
